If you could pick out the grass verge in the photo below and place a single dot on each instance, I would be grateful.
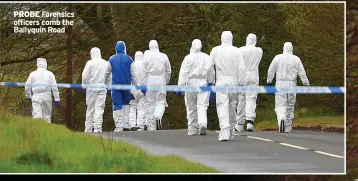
(32, 145)
(316, 123)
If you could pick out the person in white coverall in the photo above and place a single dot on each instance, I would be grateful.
(96, 71)
(287, 67)
(137, 108)
(229, 64)
(196, 70)
(166, 104)
(157, 73)
(41, 96)
(246, 109)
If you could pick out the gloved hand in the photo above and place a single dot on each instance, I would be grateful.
(270, 84)
(143, 92)
(84, 91)
(179, 93)
(57, 103)
(212, 97)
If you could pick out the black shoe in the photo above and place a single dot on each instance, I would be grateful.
(159, 124)
(282, 126)
(134, 128)
(145, 128)
(126, 129)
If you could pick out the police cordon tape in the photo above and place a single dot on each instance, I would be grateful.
(175, 88)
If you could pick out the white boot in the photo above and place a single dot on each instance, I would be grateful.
(250, 126)
(288, 127)
(133, 113)
(232, 133)
(202, 129)
(125, 118)
(225, 134)
(239, 127)
(118, 122)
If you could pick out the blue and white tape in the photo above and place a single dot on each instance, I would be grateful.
(175, 88)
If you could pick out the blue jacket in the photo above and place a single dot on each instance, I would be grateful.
(121, 65)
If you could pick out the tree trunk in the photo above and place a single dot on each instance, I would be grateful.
(69, 72)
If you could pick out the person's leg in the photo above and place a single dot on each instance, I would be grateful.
(127, 97)
(202, 106)
(141, 113)
(99, 110)
(191, 113)
(250, 110)
(233, 99)
(90, 102)
(47, 109)
(240, 118)
(280, 109)
(159, 108)
(36, 110)
(151, 100)
(222, 108)
(117, 110)
(133, 108)
(290, 113)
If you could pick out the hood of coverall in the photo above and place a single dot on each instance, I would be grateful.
(251, 40)
(288, 48)
(121, 47)
(41, 63)
(138, 56)
(195, 46)
(95, 53)
(226, 38)
(153, 45)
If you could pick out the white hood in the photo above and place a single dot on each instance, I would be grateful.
(288, 48)
(195, 46)
(41, 63)
(95, 53)
(226, 38)
(251, 40)
(138, 56)
(153, 45)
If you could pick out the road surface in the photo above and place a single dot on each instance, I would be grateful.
(251, 153)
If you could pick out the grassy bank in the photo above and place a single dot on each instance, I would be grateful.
(317, 123)
(31, 145)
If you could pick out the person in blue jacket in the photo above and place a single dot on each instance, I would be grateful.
(121, 74)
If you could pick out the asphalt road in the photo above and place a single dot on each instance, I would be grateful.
(251, 153)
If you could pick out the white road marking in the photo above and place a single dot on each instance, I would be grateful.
(290, 145)
(329, 154)
(253, 137)
(293, 146)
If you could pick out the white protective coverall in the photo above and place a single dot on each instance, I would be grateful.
(96, 71)
(137, 108)
(287, 67)
(229, 64)
(246, 109)
(196, 70)
(157, 73)
(41, 96)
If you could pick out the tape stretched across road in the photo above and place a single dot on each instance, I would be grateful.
(175, 88)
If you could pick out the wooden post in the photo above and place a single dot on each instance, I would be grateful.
(69, 71)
